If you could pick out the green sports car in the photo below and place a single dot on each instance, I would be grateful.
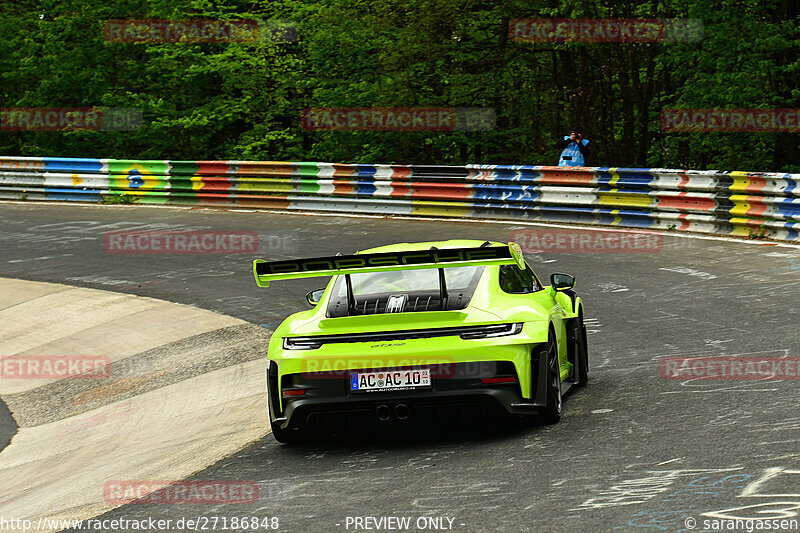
(422, 331)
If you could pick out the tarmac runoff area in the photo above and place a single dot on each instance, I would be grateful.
(185, 388)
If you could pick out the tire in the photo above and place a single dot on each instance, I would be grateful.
(581, 353)
(552, 410)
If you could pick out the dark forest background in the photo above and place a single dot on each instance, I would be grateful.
(243, 100)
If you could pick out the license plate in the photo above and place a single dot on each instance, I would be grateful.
(390, 380)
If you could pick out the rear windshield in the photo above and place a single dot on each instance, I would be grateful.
(419, 290)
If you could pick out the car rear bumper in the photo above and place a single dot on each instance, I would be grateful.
(400, 407)
(456, 396)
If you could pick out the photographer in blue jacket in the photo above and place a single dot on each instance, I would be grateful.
(574, 148)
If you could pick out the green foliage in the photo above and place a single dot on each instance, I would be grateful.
(759, 233)
(117, 199)
(243, 100)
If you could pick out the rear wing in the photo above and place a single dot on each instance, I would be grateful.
(265, 272)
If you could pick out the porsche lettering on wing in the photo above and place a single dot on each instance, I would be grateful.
(382, 260)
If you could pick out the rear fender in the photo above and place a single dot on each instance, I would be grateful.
(570, 301)
(572, 325)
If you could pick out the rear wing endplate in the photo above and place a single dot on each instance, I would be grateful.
(265, 271)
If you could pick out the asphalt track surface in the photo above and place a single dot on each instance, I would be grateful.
(634, 451)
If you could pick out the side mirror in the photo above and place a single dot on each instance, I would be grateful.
(562, 282)
(313, 297)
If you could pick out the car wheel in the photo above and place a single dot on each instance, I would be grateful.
(552, 410)
(582, 353)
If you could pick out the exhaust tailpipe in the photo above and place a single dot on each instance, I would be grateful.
(401, 411)
(383, 412)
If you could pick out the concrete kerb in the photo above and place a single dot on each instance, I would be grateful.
(58, 469)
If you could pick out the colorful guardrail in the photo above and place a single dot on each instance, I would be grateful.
(736, 203)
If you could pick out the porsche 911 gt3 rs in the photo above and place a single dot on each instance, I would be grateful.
(423, 331)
